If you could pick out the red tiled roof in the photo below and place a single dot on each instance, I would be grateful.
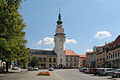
(109, 44)
(70, 52)
(100, 47)
(89, 53)
(82, 56)
(117, 40)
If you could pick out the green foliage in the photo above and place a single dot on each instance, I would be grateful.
(33, 62)
(12, 42)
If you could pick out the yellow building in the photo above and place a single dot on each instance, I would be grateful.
(72, 59)
(81, 61)
(88, 59)
(100, 57)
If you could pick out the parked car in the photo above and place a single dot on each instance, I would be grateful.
(97, 71)
(115, 73)
(51, 69)
(30, 69)
(106, 72)
(87, 70)
(35, 68)
(2, 69)
(91, 70)
(15, 68)
(83, 69)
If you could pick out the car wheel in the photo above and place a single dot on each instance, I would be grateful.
(113, 76)
(106, 74)
(117, 76)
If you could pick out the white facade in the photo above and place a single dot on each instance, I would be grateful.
(59, 41)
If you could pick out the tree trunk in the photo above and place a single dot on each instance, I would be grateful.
(7, 66)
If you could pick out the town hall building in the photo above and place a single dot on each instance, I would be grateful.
(58, 57)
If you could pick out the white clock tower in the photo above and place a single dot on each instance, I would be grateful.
(59, 41)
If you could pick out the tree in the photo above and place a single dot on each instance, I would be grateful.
(33, 62)
(12, 42)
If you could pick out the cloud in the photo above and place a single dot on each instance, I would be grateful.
(48, 49)
(102, 34)
(68, 41)
(48, 41)
(45, 41)
(89, 50)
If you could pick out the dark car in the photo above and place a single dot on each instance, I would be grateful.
(30, 69)
(97, 71)
(92, 70)
(2, 69)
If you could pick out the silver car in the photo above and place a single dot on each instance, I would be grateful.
(51, 69)
(115, 73)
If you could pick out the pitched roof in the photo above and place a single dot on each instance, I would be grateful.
(82, 56)
(100, 46)
(117, 40)
(89, 53)
(42, 52)
(70, 52)
(109, 44)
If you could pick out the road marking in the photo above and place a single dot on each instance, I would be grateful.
(60, 76)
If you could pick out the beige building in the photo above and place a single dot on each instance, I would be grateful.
(100, 56)
(88, 59)
(46, 58)
(72, 59)
(113, 53)
(81, 62)
(107, 55)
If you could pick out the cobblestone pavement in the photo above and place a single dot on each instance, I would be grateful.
(59, 74)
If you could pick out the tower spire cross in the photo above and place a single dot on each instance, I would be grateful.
(59, 10)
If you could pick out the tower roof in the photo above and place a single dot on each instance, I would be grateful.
(59, 19)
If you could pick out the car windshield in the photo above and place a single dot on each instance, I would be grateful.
(109, 70)
(116, 70)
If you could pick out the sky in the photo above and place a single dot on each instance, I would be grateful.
(87, 23)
